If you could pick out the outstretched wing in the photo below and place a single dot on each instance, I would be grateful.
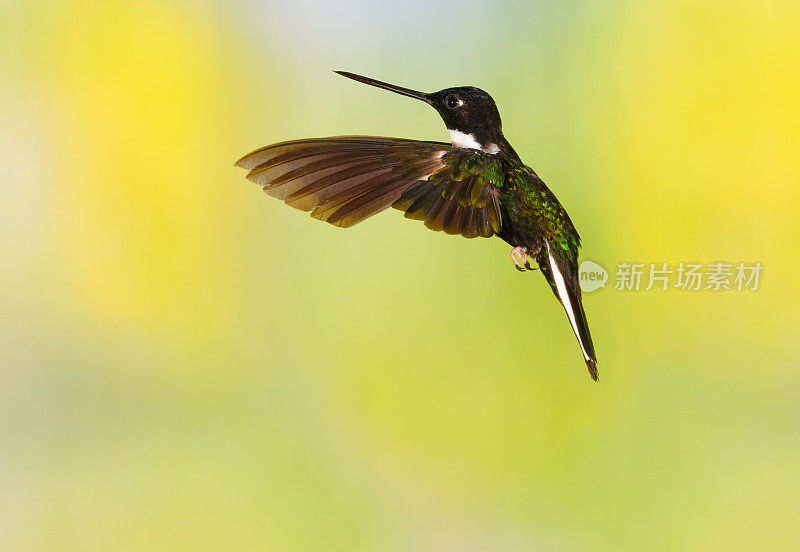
(344, 180)
(460, 198)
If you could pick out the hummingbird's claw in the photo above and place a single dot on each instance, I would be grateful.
(518, 257)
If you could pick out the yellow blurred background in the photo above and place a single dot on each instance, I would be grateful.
(188, 364)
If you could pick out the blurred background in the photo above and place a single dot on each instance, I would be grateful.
(188, 364)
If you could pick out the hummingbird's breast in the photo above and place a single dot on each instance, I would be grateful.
(532, 214)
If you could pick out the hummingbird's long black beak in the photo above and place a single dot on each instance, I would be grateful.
(386, 86)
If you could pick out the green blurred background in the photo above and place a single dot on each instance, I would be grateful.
(188, 364)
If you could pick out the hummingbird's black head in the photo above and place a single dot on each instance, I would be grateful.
(471, 116)
(469, 113)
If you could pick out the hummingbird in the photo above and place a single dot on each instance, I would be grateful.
(475, 186)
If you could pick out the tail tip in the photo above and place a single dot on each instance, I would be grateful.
(591, 364)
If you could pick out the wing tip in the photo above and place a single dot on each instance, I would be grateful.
(249, 162)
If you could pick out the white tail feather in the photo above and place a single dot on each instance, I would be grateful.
(561, 287)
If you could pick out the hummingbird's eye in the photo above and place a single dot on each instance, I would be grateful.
(453, 102)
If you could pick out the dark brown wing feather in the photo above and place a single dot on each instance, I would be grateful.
(458, 199)
(344, 180)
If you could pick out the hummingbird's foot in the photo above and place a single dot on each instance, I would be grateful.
(518, 257)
